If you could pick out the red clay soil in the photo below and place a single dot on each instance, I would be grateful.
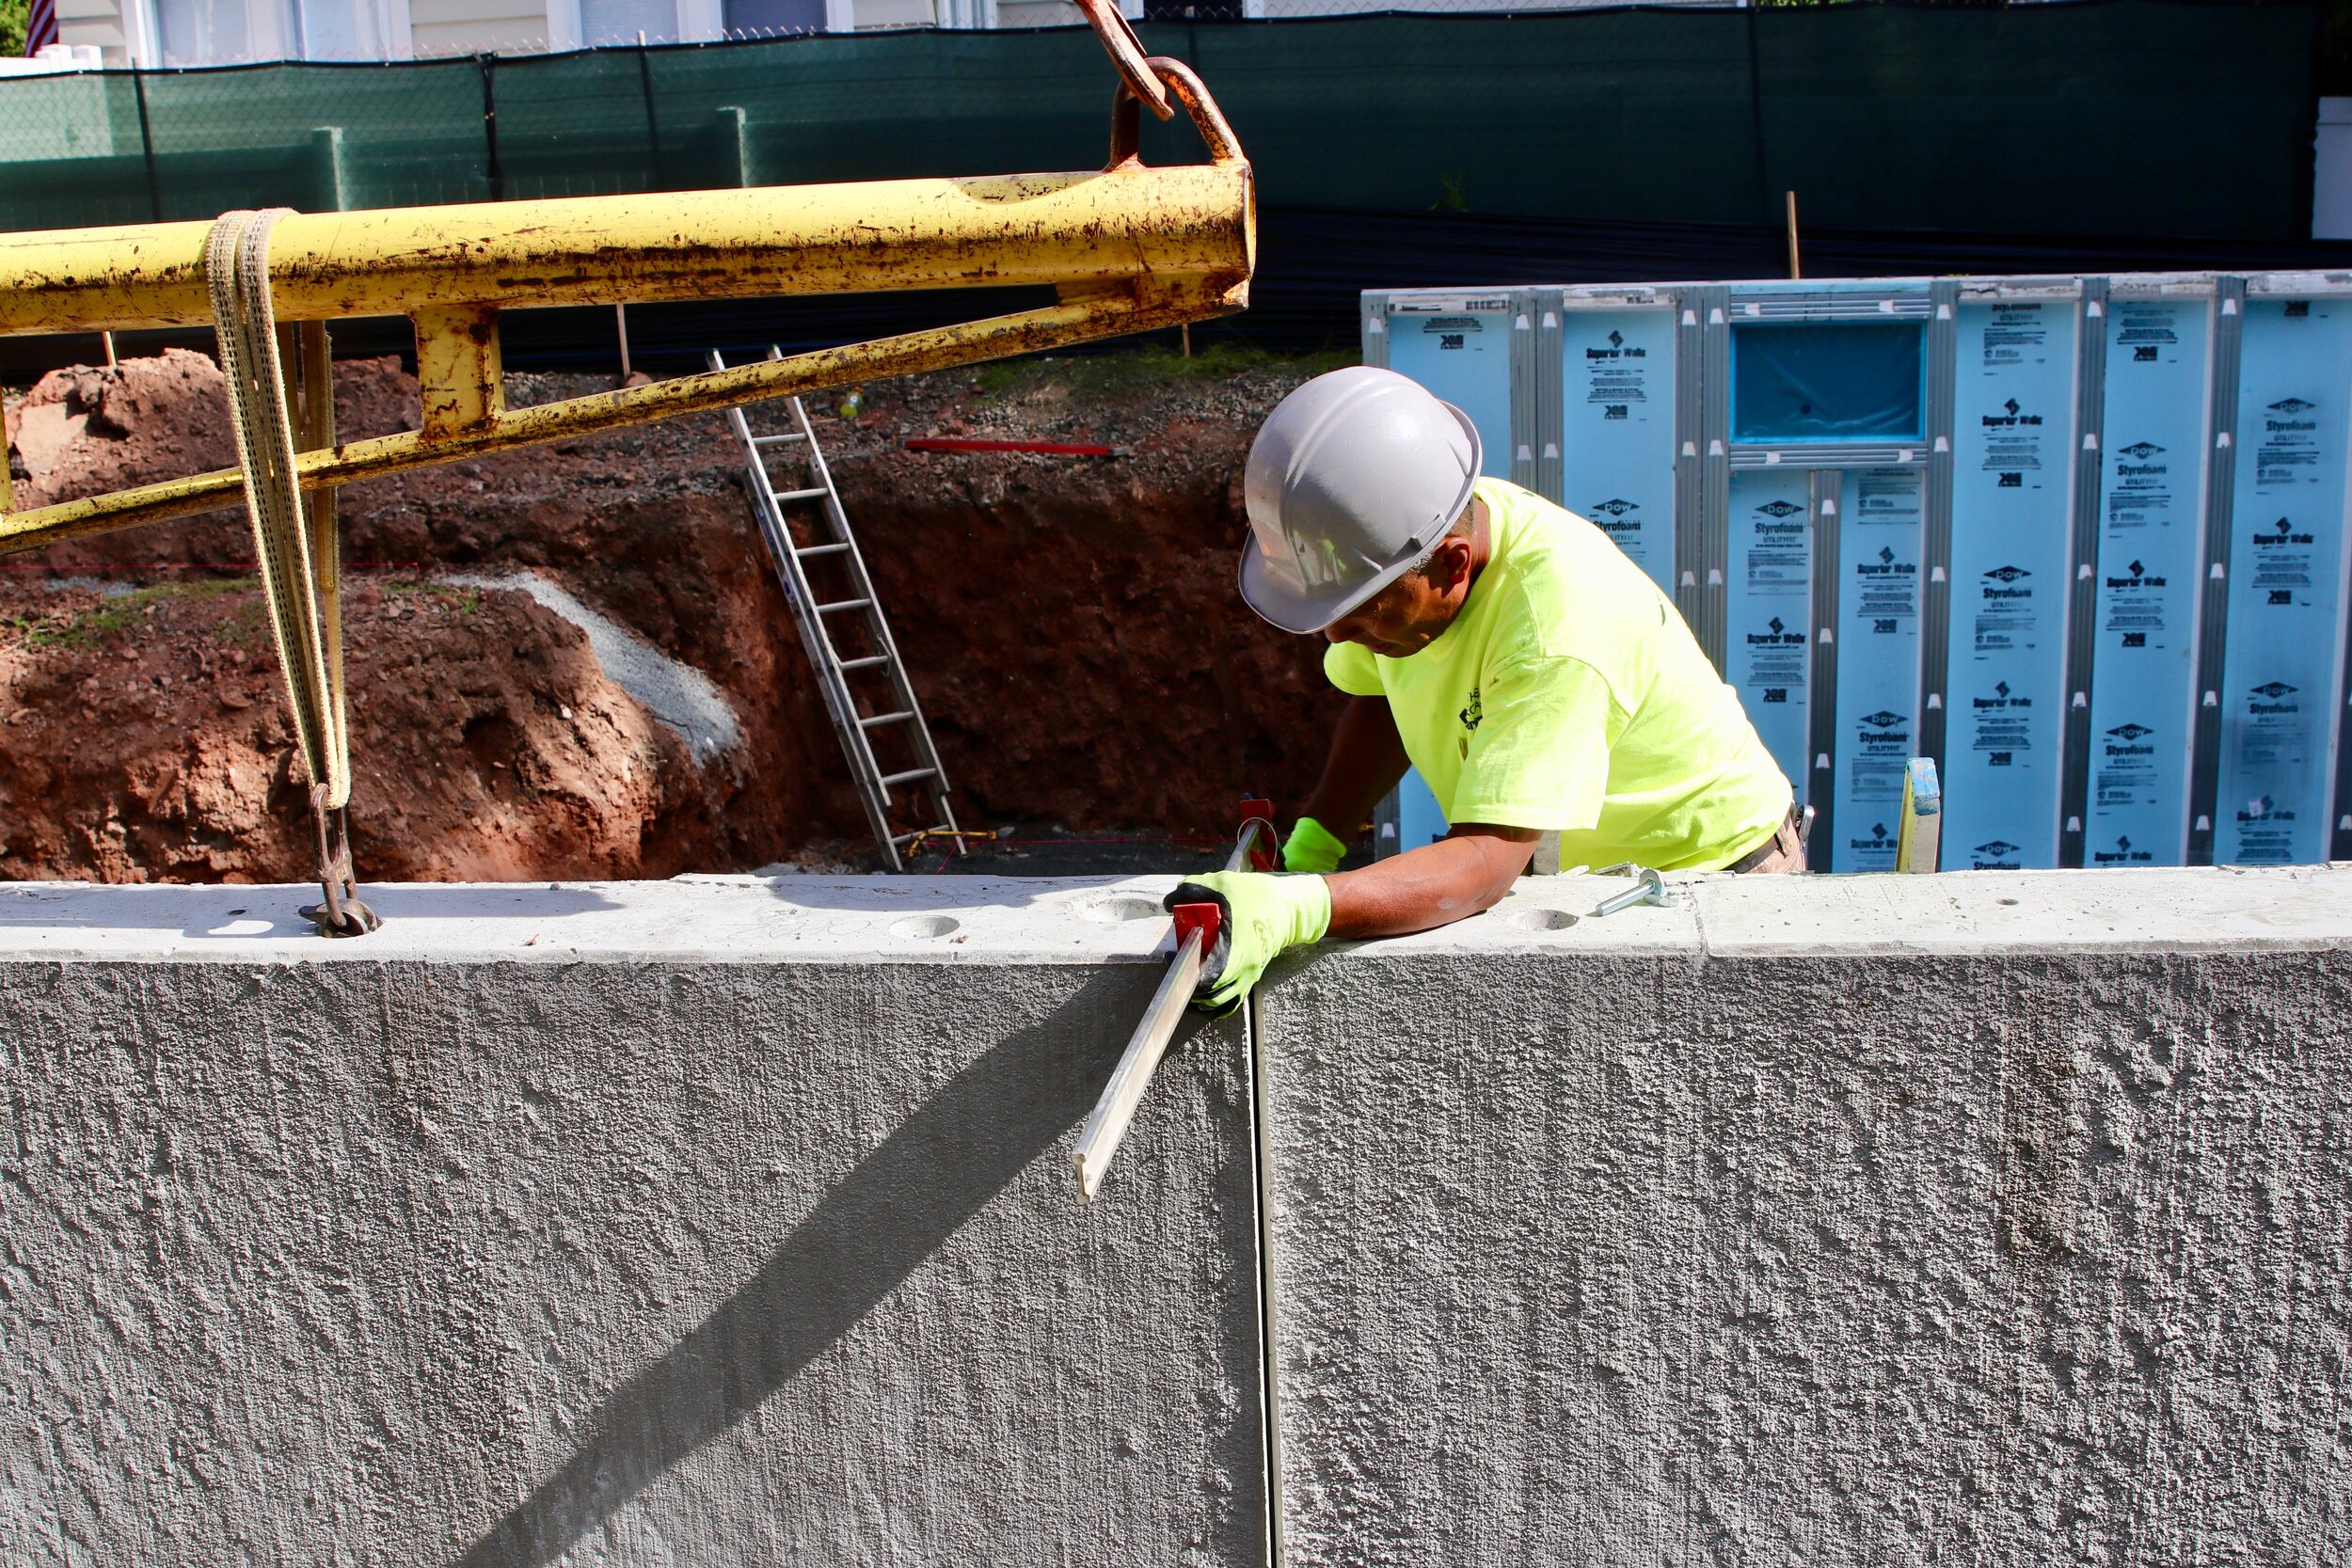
(1071, 625)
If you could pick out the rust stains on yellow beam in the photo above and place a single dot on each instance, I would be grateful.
(1034, 228)
(461, 371)
(1088, 313)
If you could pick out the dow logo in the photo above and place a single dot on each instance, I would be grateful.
(1882, 720)
(2273, 690)
(1617, 508)
(2292, 405)
(2131, 732)
(1998, 848)
(2142, 451)
(2007, 574)
(1780, 509)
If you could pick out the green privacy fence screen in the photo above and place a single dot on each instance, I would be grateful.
(2106, 118)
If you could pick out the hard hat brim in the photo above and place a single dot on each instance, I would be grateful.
(1304, 613)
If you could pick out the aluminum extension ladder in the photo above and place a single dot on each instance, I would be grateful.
(826, 525)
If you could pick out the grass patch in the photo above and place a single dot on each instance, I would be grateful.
(120, 614)
(463, 600)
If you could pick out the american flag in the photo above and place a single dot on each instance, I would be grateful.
(40, 27)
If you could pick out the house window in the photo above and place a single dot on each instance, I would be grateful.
(203, 32)
(224, 32)
(603, 22)
(768, 18)
(346, 30)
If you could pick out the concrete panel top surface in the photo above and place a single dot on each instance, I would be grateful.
(1036, 919)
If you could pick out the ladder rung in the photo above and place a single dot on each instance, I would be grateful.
(799, 495)
(898, 717)
(821, 549)
(842, 604)
(866, 663)
(911, 773)
(775, 441)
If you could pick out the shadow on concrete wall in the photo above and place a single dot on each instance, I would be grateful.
(942, 1167)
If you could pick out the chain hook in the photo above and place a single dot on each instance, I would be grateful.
(341, 913)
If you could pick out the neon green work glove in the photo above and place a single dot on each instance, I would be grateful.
(1265, 911)
(1311, 847)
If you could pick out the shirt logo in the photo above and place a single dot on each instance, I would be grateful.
(1472, 715)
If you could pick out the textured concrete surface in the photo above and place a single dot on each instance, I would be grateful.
(642, 1223)
(1976, 1218)
(1983, 1218)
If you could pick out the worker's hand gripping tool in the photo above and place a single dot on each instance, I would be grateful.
(1198, 929)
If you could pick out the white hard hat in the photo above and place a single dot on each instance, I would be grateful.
(1351, 482)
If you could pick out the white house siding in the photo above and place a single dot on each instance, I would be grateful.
(478, 27)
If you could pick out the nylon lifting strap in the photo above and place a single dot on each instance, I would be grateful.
(298, 555)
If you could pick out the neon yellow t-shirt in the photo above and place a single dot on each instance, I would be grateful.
(1568, 694)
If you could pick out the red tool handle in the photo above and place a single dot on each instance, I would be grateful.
(1051, 449)
(1207, 919)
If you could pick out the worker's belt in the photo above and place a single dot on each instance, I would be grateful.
(1788, 838)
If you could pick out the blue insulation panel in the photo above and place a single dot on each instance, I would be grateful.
(1878, 662)
(2284, 643)
(1768, 609)
(1418, 819)
(1617, 441)
(2012, 493)
(2151, 549)
(1464, 357)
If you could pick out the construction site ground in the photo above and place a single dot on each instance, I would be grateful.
(574, 661)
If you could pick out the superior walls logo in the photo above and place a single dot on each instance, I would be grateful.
(1616, 349)
(2123, 854)
(2136, 576)
(1879, 841)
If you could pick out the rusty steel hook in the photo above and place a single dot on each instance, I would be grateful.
(1126, 52)
(341, 913)
(1217, 133)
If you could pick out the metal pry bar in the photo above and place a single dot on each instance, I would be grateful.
(1195, 926)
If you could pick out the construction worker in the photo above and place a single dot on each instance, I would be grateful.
(1501, 645)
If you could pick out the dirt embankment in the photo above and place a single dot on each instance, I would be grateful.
(1070, 625)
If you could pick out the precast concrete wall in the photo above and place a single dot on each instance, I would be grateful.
(651, 1223)
(1984, 1218)
(1989, 1217)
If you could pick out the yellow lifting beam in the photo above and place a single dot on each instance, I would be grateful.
(1126, 248)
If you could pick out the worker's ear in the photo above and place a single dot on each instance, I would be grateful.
(1448, 565)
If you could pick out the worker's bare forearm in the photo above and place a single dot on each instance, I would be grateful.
(1461, 874)
(1366, 760)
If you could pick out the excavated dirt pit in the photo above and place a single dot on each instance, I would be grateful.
(574, 661)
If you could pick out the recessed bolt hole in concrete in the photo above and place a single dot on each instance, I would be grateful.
(925, 926)
(1541, 920)
(1121, 906)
